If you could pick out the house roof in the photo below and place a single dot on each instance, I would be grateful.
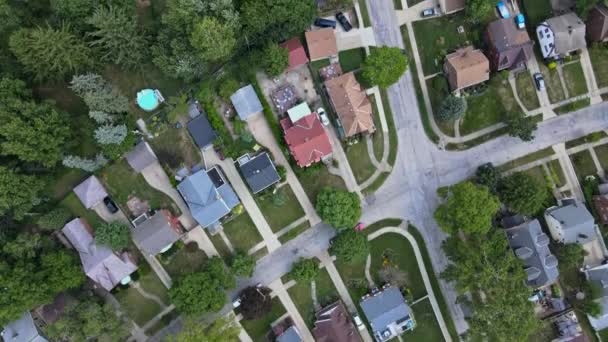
(141, 156)
(531, 245)
(297, 54)
(467, 67)
(201, 131)
(577, 223)
(259, 172)
(90, 192)
(299, 111)
(512, 47)
(600, 203)
(290, 335)
(351, 104)
(569, 31)
(98, 261)
(597, 23)
(156, 233)
(207, 201)
(384, 308)
(453, 5)
(321, 43)
(333, 324)
(307, 139)
(22, 330)
(246, 102)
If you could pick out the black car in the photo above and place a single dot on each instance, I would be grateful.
(344, 21)
(110, 205)
(320, 22)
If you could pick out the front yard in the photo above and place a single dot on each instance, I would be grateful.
(242, 233)
(575, 79)
(358, 158)
(583, 164)
(280, 215)
(350, 60)
(553, 84)
(315, 178)
(302, 296)
(258, 329)
(438, 91)
(427, 328)
(599, 60)
(526, 90)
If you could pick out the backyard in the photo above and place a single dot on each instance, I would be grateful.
(427, 328)
(182, 259)
(280, 216)
(537, 11)
(73, 204)
(575, 79)
(258, 329)
(175, 149)
(602, 155)
(526, 90)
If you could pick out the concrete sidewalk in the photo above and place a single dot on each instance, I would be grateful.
(279, 290)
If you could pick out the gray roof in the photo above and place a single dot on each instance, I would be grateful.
(384, 308)
(22, 330)
(141, 156)
(246, 102)
(99, 262)
(201, 131)
(569, 31)
(155, 234)
(260, 172)
(90, 192)
(290, 335)
(599, 277)
(531, 246)
(578, 225)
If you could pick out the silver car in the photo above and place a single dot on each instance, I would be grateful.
(323, 116)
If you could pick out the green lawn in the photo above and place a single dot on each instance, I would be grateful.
(350, 60)
(378, 137)
(122, 182)
(537, 11)
(278, 217)
(301, 296)
(439, 36)
(526, 159)
(175, 148)
(575, 79)
(411, 3)
(137, 307)
(242, 233)
(219, 244)
(393, 140)
(64, 181)
(526, 90)
(73, 204)
(438, 91)
(292, 234)
(583, 164)
(599, 60)
(353, 276)
(590, 138)
(537, 173)
(573, 106)
(557, 173)
(364, 13)
(602, 154)
(552, 83)
(187, 259)
(258, 329)
(360, 163)
(427, 328)
(315, 178)
(150, 282)
(398, 4)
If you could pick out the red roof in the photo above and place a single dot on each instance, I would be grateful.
(308, 142)
(297, 55)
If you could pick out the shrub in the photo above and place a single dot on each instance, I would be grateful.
(305, 270)
(54, 219)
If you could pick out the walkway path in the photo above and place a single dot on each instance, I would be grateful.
(596, 161)
(202, 240)
(278, 288)
(345, 171)
(226, 240)
(569, 172)
(291, 226)
(158, 317)
(368, 276)
(148, 295)
(590, 76)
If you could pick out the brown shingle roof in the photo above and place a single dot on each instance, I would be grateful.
(333, 324)
(351, 104)
(467, 67)
(453, 5)
(597, 24)
(321, 43)
(600, 203)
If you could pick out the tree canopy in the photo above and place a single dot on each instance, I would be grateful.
(477, 11)
(350, 245)
(305, 270)
(452, 108)
(255, 302)
(276, 59)
(521, 126)
(338, 208)
(275, 19)
(384, 66)
(18, 192)
(115, 235)
(522, 193)
(242, 264)
(54, 219)
(213, 39)
(488, 176)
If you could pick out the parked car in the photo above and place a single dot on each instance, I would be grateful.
(429, 12)
(503, 10)
(110, 205)
(358, 321)
(540, 81)
(520, 21)
(323, 116)
(359, 227)
(343, 20)
(236, 303)
(325, 23)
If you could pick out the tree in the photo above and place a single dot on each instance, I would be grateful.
(214, 40)
(452, 108)
(98, 94)
(54, 219)
(584, 6)
(304, 270)
(88, 165)
(113, 234)
(101, 117)
(276, 59)
(8, 18)
(275, 20)
(522, 193)
(469, 208)
(384, 66)
(477, 11)
(255, 302)
(350, 245)
(118, 37)
(338, 208)
(570, 256)
(227, 88)
(242, 264)
(108, 134)
(488, 176)
(23, 246)
(219, 331)
(50, 54)
(18, 192)
(74, 12)
(115, 151)
(521, 126)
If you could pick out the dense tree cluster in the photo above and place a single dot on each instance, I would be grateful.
(384, 66)
(115, 235)
(523, 193)
(305, 270)
(338, 208)
(350, 245)
(242, 264)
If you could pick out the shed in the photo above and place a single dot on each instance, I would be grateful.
(90, 192)
(246, 102)
(141, 156)
(298, 112)
(201, 131)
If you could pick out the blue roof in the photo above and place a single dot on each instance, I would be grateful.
(290, 335)
(207, 203)
(147, 100)
(201, 131)
(246, 102)
(260, 172)
(385, 308)
(519, 18)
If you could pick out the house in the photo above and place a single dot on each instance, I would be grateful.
(209, 197)
(560, 36)
(158, 233)
(568, 328)
(259, 171)
(387, 313)
(600, 203)
(90, 192)
(246, 102)
(296, 53)
(508, 47)
(451, 6)
(571, 223)
(100, 263)
(531, 246)
(333, 324)
(466, 67)
(201, 131)
(22, 330)
(291, 334)
(321, 44)
(141, 157)
(307, 140)
(598, 277)
(298, 112)
(597, 24)
(350, 102)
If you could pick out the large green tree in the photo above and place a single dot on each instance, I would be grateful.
(452, 108)
(50, 54)
(219, 331)
(275, 60)
(213, 39)
(54, 219)
(18, 192)
(384, 66)
(275, 20)
(242, 264)
(478, 11)
(488, 176)
(114, 235)
(338, 208)
(350, 245)
(521, 126)
(522, 193)
(305, 270)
